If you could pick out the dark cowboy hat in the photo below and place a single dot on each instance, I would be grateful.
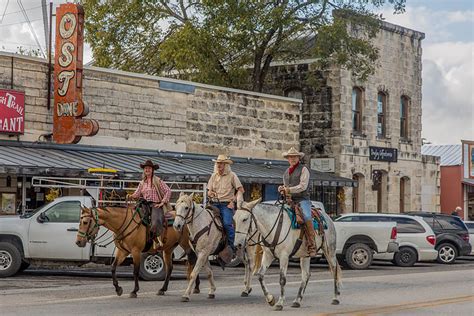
(149, 163)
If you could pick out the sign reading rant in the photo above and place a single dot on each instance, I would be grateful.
(69, 109)
(383, 154)
(12, 112)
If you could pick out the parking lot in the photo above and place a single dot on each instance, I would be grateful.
(425, 289)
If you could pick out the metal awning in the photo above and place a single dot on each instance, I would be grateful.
(45, 159)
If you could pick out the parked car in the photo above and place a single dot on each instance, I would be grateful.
(470, 228)
(356, 243)
(416, 239)
(48, 235)
(452, 236)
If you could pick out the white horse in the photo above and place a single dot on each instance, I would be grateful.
(205, 238)
(281, 241)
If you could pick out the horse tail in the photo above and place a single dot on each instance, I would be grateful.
(258, 258)
(329, 248)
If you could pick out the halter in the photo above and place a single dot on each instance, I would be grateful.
(94, 216)
(190, 215)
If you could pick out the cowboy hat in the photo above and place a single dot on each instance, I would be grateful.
(224, 159)
(293, 152)
(149, 163)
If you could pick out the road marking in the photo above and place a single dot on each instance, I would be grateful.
(402, 307)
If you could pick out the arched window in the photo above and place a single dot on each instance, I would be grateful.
(294, 93)
(381, 114)
(405, 196)
(357, 107)
(404, 108)
(358, 194)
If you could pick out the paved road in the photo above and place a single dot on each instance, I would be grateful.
(426, 289)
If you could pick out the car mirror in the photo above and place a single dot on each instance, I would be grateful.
(42, 218)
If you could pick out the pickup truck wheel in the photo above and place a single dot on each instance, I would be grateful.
(10, 259)
(152, 267)
(358, 256)
(447, 253)
(405, 257)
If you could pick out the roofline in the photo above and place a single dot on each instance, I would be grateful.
(162, 79)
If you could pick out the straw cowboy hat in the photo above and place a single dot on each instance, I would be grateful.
(149, 163)
(224, 159)
(293, 152)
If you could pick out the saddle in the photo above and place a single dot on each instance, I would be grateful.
(144, 209)
(223, 251)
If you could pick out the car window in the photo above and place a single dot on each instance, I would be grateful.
(370, 218)
(64, 212)
(348, 219)
(470, 227)
(450, 222)
(407, 225)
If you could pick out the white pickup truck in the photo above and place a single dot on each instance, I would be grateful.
(48, 235)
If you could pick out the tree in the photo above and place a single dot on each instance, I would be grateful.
(232, 42)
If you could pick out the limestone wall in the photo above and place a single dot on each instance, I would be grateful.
(141, 111)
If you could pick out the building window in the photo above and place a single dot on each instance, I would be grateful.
(357, 99)
(381, 113)
(404, 104)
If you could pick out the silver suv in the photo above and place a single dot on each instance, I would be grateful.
(416, 239)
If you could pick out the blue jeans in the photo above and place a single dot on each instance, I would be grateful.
(227, 215)
(306, 206)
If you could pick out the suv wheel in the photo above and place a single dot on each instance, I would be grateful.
(447, 253)
(152, 267)
(358, 256)
(10, 259)
(405, 257)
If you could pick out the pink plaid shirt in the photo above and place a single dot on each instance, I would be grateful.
(148, 192)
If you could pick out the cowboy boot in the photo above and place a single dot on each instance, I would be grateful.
(310, 237)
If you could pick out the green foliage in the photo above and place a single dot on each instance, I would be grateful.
(29, 52)
(232, 42)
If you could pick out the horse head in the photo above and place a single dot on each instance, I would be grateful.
(88, 226)
(243, 220)
(184, 210)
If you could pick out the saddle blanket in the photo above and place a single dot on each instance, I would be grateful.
(295, 225)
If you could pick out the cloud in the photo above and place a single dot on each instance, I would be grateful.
(448, 71)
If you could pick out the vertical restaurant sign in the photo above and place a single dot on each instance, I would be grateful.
(69, 109)
(12, 112)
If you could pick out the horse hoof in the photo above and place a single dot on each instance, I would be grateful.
(119, 291)
(244, 294)
(196, 291)
(250, 291)
(132, 295)
(278, 307)
(160, 292)
(272, 301)
(296, 305)
(211, 296)
(335, 302)
(184, 299)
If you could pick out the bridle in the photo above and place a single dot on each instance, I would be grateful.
(89, 233)
(255, 232)
(188, 219)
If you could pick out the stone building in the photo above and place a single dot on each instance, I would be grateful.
(368, 131)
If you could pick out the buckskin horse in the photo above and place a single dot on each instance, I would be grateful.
(130, 237)
(280, 241)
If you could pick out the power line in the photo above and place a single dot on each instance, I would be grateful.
(1, 20)
(29, 9)
(20, 4)
(23, 22)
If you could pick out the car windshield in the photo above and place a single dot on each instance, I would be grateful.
(28, 214)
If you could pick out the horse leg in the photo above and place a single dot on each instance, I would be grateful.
(266, 261)
(249, 263)
(119, 257)
(305, 274)
(210, 277)
(191, 262)
(136, 254)
(167, 258)
(335, 270)
(201, 260)
(283, 269)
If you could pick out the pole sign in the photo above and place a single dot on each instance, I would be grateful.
(383, 154)
(69, 109)
(12, 112)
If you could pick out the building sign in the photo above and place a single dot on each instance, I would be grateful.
(383, 154)
(69, 109)
(323, 164)
(12, 112)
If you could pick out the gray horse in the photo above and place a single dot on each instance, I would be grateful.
(265, 217)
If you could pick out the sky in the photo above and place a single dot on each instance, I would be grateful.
(448, 57)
